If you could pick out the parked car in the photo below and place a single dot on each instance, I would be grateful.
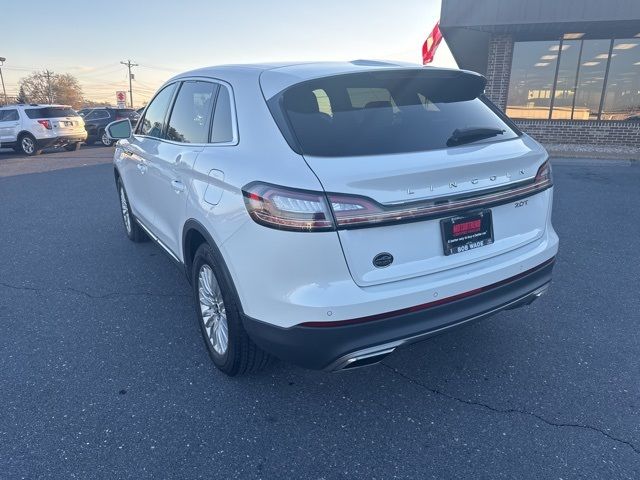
(31, 128)
(98, 118)
(327, 214)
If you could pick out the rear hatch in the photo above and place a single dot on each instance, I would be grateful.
(422, 174)
(61, 120)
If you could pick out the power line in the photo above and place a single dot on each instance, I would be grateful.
(129, 65)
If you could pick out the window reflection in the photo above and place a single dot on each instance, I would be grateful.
(532, 72)
(576, 92)
(566, 83)
(593, 66)
(622, 97)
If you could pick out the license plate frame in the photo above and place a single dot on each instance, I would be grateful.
(467, 231)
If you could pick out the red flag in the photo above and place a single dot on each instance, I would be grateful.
(431, 44)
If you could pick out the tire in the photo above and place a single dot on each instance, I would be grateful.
(103, 139)
(28, 145)
(214, 296)
(132, 229)
(72, 147)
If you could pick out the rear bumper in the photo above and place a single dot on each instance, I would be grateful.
(62, 140)
(365, 341)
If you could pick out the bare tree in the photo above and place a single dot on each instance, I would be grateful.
(65, 89)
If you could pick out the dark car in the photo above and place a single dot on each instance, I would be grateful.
(97, 119)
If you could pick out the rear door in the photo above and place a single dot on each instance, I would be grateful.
(9, 125)
(95, 121)
(387, 147)
(170, 167)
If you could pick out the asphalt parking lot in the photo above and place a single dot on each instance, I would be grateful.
(103, 373)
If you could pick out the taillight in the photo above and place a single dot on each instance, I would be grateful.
(287, 208)
(544, 174)
(45, 123)
(309, 211)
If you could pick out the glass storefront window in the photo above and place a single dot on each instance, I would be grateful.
(593, 66)
(532, 73)
(622, 96)
(565, 79)
(566, 82)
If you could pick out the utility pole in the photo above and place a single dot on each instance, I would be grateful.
(128, 64)
(49, 74)
(2, 60)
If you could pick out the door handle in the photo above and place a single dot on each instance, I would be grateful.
(178, 186)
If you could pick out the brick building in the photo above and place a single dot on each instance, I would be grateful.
(567, 71)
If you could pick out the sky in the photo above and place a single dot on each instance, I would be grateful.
(88, 39)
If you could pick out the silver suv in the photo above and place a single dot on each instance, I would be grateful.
(30, 128)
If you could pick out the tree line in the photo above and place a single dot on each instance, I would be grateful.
(45, 87)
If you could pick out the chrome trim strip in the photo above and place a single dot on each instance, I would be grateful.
(387, 348)
(157, 240)
(439, 207)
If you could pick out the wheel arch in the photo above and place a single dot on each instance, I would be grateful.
(24, 132)
(195, 234)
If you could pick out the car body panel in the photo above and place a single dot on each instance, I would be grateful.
(286, 278)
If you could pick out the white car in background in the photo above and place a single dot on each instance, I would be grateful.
(30, 128)
(328, 213)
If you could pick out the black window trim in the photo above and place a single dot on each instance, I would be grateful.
(179, 81)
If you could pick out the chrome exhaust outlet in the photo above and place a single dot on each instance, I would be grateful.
(362, 358)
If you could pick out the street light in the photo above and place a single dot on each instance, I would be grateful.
(2, 60)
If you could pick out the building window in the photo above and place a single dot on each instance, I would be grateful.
(593, 68)
(575, 79)
(565, 84)
(533, 69)
(622, 95)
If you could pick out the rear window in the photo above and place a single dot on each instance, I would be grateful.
(128, 113)
(386, 112)
(50, 112)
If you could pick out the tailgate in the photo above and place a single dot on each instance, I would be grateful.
(417, 246)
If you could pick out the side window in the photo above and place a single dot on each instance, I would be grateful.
(222, 118)
(9, 116)
(152, 124)
(191, 114)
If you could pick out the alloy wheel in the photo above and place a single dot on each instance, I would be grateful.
(28, 146)
(214, 315)
(125, 211)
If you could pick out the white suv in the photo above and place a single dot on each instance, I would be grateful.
(30, 128)
(328, 213)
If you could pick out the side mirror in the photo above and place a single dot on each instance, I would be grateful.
(120, 129)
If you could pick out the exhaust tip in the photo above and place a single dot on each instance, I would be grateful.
(362, 360)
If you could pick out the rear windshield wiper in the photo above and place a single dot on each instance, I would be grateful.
(468, 135)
